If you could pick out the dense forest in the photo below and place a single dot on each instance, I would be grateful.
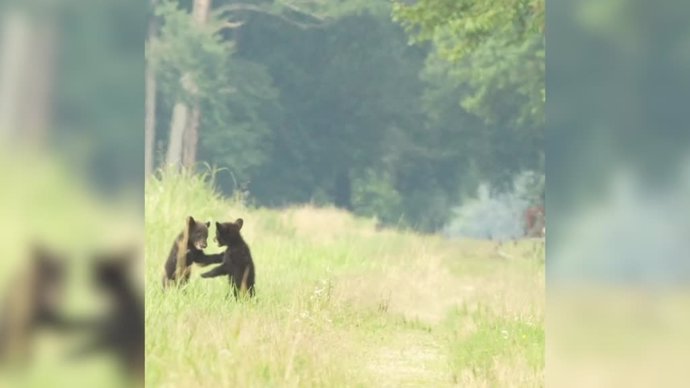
(396, 110)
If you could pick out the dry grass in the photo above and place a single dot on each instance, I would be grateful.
(340, 304)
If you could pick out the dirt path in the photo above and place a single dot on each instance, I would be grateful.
(412, 356)
(409, 359)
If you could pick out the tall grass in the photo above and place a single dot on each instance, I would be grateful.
(339, 303)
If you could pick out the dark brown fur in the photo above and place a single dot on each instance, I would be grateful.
(32, 302)
(237, 259)
(186, 250)
(120, 331)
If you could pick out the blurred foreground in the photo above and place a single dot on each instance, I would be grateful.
(71, 169)
(70, 282)
(601, 336)
(618, 184)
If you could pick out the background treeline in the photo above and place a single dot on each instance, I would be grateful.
(390, 110)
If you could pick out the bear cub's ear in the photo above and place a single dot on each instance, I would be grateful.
(219, 226)
(208, 224)
(190, 220)
(239, 223)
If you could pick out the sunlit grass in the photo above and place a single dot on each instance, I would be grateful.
(339, 303)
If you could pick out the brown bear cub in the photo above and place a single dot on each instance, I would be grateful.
(237, 259)
(186, 250)
(120, 331)
(33, 303)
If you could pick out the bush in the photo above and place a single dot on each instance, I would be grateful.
(373, 195)
(497, 215)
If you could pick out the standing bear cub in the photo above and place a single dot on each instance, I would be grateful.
(237, 259)
(186, 250)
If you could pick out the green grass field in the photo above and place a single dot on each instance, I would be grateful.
(340, 303)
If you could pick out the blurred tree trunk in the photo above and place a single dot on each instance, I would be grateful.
(38, 107)
(191, 135)
(177, 127)
(14, 57)
(150, 120)
(26, 78)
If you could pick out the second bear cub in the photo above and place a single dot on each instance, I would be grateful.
(237, 259)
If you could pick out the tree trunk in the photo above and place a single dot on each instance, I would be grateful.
(38, 106)
(150, 119)
(183, 141)
(200, 14)
(201, 10)
(191, 136)
(26, 74)
(177, 127)
(14, 59)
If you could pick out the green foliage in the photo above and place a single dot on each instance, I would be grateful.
(489, 57)
(497, 46)
(325, 102)
(189, 58)
(344, 91)
(460, 27)
(374, 195)
(237, 128)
